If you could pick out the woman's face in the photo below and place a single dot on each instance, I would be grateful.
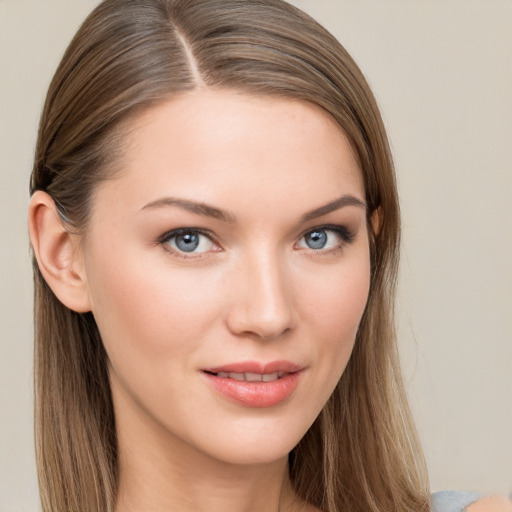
(227, 267)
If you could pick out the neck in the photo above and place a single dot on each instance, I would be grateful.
(168, 483)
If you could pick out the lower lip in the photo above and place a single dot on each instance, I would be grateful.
(255, 394)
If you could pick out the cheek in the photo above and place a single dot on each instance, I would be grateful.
(151, 308)
(334, 307)
(338, 299)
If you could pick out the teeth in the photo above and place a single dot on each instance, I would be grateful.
(236, 376)
(251, 377)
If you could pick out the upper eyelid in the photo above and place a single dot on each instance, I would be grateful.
(178, 231)
(337, 228)
(177, 253)
(345, 237)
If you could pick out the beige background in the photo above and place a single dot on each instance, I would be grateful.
(442, 72)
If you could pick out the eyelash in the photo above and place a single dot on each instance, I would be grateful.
(167, 237)
(346, 236)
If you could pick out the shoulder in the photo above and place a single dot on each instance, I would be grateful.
(456, 501)
(453, 501)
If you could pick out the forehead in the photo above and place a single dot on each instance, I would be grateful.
(229, 147)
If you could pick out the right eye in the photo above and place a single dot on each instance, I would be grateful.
(188, 241)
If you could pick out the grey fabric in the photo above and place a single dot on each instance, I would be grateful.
(453, 501)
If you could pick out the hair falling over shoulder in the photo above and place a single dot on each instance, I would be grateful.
(362, 453)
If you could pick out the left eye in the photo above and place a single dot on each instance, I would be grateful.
(322, 238)
(189, 241)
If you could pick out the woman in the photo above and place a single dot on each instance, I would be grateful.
(215, 229)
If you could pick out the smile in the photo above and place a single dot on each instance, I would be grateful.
(255, 385)
(251, 377)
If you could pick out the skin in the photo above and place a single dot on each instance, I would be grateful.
(491, 504)
(252, 291)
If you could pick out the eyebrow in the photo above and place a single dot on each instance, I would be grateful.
(200, 208)
(341, 202)
(194, 207)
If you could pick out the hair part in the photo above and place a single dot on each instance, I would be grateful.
(362, 453)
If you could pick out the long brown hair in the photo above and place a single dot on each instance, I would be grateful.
(362, 452)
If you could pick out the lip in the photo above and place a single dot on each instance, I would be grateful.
(257, 394)
(256, 367)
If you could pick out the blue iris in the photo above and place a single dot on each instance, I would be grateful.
(316, 239)
(187, 242)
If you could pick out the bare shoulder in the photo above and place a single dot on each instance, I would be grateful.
(491, 504)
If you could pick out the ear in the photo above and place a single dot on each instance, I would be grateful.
(376, 221)
(57, 253)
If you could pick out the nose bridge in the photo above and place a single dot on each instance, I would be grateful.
(263, 304)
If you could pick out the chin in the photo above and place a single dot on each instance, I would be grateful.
(256, 454)
(254, 442)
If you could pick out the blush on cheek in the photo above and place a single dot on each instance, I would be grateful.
(341, 307)
(153, 308)
(343, 300)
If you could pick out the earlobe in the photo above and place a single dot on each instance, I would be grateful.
(376, 221)
(57, 253)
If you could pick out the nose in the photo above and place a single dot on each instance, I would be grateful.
(262, 303)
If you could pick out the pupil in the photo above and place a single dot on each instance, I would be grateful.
(187, 242)
(316, 239)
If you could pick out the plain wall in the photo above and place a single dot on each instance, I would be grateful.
(442, 73)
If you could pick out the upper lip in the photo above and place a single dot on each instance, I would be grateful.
(256, 367)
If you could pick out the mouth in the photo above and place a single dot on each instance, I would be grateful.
(249, 376)
(253, 384)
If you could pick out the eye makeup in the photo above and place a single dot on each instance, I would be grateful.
(189, 243)
(326, 239)
(193, 243)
